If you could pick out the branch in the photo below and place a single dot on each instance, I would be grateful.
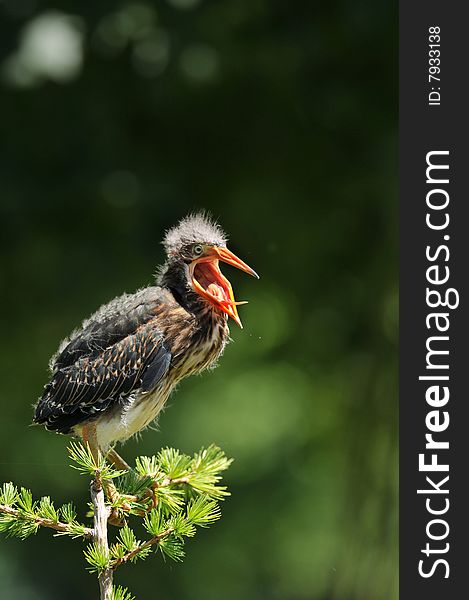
(177, 481)
(140, 548)
(57, 525)
(101, 515)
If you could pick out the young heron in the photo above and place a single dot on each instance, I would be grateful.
(113, 375)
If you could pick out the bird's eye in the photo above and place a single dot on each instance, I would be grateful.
(197, 249)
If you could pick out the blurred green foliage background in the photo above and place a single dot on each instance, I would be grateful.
(117, 119)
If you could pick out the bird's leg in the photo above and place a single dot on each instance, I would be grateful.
(117, 460)
(151, 492)
(121, 464)
(90, 439)
(88, 434)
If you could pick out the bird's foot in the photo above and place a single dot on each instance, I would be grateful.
(150, 493)
(122, 504)
(118, 505)
(116, 518)
(139, 505)
(125, 504)
(117, 460)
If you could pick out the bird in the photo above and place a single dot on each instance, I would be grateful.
(112, 376)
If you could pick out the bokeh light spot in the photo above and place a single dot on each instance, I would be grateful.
(51, 47)
(151, 55)
(184, 4)
(199, 62)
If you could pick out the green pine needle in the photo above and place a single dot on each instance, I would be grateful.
(174, 464)
(25, 501)
(181, 526)
(133, 483)
(8, 494)
(117, 551)
(121, 593)
(96, 557)
(68, 513)
(86, 463)
(172, 548)
(203, 512)
(17, 527)
(128, 539)
(170, 499)
(147, 466)
(154, 522)
(211, 460)
(47, 509)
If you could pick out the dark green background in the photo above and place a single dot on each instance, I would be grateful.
(279, 118)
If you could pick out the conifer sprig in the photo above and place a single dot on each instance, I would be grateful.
(21, 516)
(182, 474)
(120, 593)
(169, 496)
(87, 464)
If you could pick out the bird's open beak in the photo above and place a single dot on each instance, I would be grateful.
(211, 284)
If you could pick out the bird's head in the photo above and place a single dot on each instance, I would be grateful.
(194, 248)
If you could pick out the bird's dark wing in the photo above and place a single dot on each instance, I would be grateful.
(110, 324)
(102, 377)
(91, 385)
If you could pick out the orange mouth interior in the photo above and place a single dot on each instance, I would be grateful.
(212, 285)
(213, 282)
